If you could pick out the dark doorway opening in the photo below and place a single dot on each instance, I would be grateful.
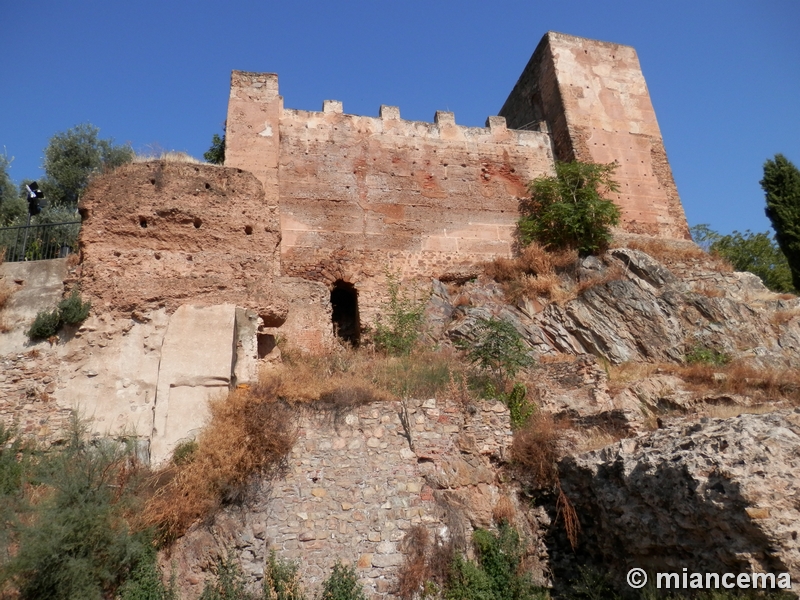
(346, 324)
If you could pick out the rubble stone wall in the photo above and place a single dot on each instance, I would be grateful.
(356, 481)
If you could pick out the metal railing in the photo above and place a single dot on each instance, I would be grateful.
(39, 242)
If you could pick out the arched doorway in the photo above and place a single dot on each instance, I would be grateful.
(344, 300)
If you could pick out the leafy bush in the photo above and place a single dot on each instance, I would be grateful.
(75, 542)
(757, 253)
(228, 583)
(569, 210)
(468, 581)
(145, 581)
(498, 350)
(342, 584)
(709, 356)
(45, 325)
(73, 310)
(398, 333)
(282, 580)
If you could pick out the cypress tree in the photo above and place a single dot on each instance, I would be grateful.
(781, 184)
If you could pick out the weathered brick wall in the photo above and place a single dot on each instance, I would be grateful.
(353, 487)
(360, 194)
(594, 99)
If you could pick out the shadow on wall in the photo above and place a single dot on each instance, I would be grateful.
(346, 322)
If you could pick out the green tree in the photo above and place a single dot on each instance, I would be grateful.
(569, 210)
(781, 184)
(216, 154)
(71, 159)
(754, 252)
(12, 205)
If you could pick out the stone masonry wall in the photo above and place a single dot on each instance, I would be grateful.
(360, 194)
(594, 99)
(354, 484)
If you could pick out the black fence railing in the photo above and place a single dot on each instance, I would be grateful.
(39, 242)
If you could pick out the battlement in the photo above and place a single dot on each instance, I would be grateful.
(359, 194)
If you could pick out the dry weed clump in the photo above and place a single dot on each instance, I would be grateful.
(534, 273)
(670, 252)
(615, 272)
(425, 562)
(739, 377)
(781, 317)
(250, 433)
(503, 510)
(534, 450)
(366, 376)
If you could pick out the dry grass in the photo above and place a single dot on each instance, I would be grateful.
(710, 291)
(424, 562)
(613, 273)
(739, 377)
(533, 274)
(309, 379)
(6, 291)
(537, 273)
(596, 438)
(250, 433)
(504, 510)
(726, 411)
(781, 317)
(167, 156)
(534, 451)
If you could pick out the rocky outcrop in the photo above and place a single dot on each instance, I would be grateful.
(645, 313)
(713, 496)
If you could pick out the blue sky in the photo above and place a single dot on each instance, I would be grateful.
(724, 76)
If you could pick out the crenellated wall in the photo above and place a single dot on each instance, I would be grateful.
(357, 195)
(366, 193)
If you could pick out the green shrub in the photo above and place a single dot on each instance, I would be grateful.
(282, 580)
(75, 541)
(73, 310)
(45, 325)
(145, 581)
(342, 584)
(500, 557)
(498, 350)
(399, 321)
(184, 452)
(568, 210)
(228, 583)
(708, 356)
(467, 581)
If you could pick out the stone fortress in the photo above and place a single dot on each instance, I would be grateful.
(344, 199)
(196, 271)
